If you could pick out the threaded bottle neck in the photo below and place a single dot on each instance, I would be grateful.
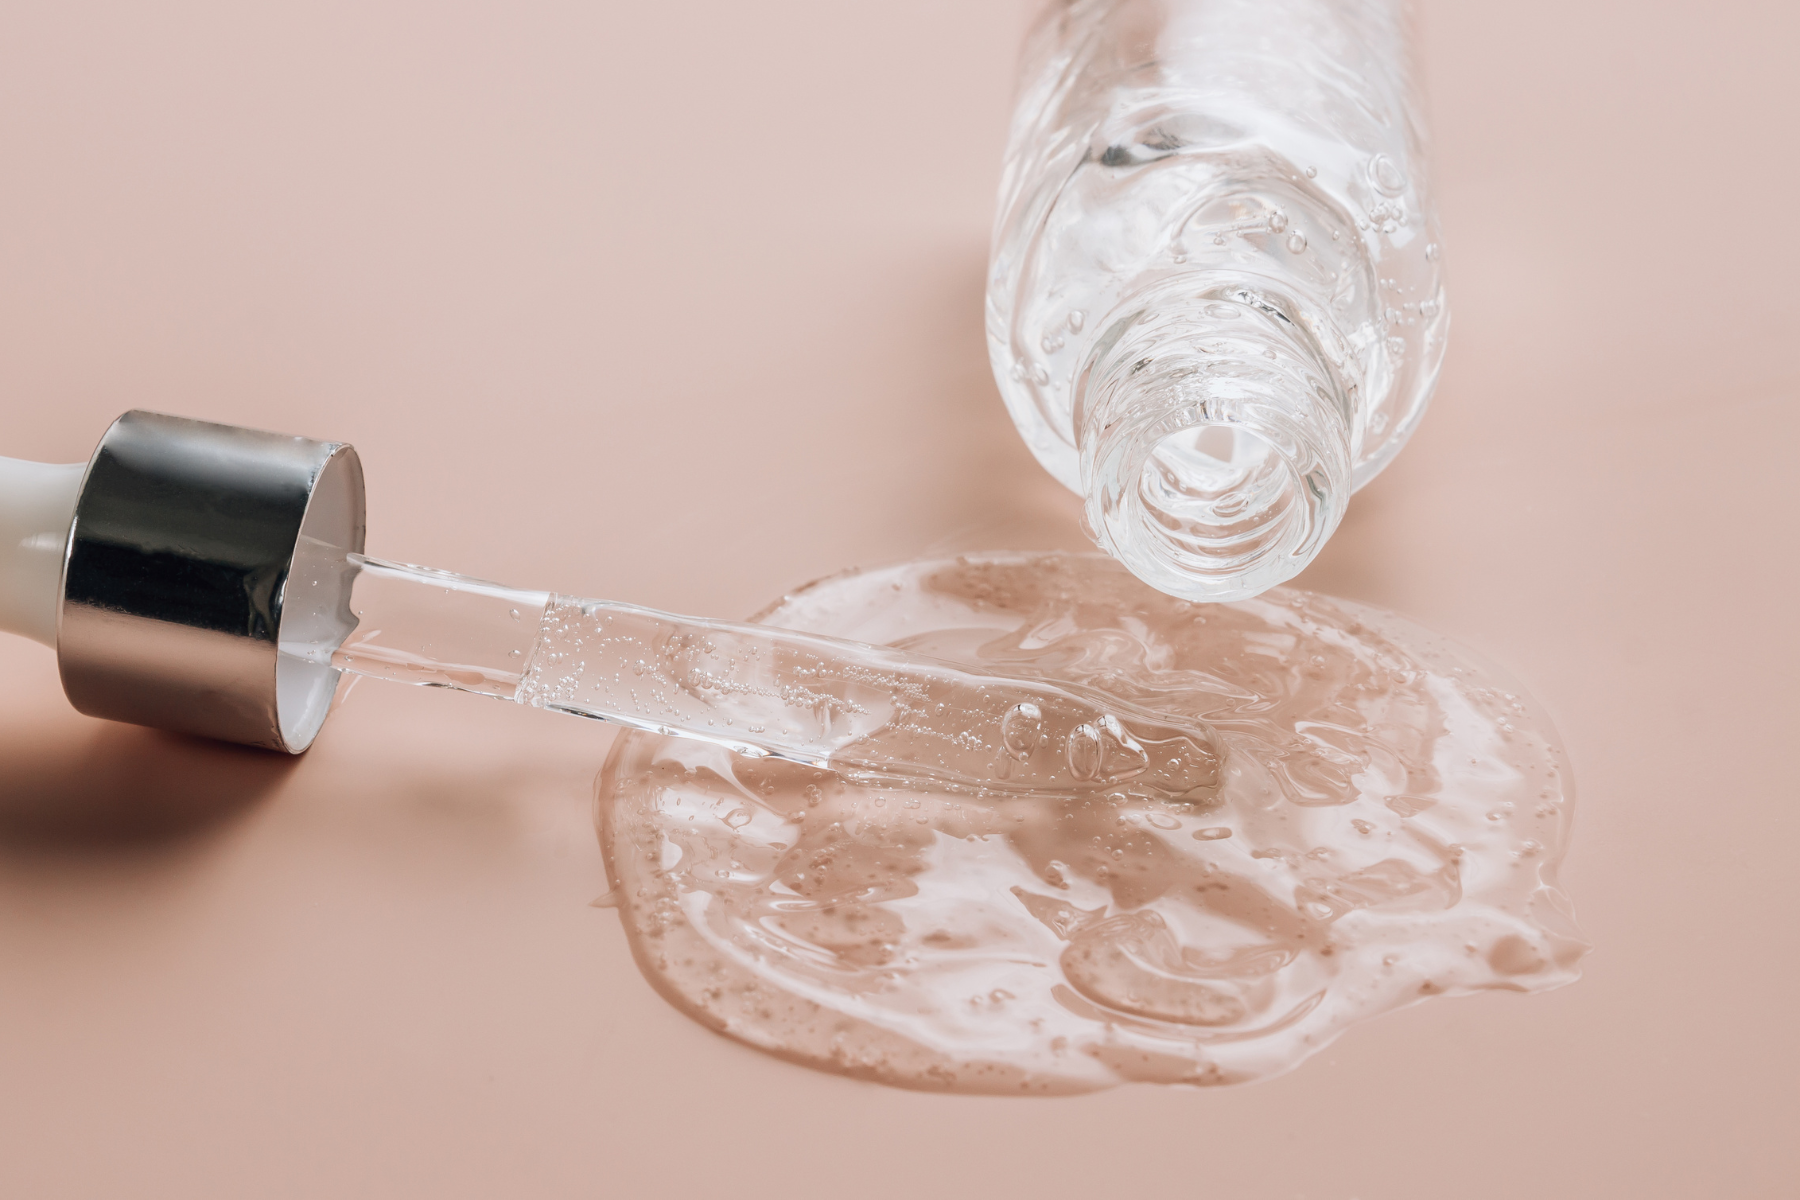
(1214, 442)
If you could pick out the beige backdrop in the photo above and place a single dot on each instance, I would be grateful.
(680, 304)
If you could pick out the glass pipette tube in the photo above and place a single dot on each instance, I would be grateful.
(873, 714)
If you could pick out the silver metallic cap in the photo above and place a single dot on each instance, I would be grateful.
(197, 551)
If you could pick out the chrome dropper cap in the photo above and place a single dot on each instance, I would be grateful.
(196, 553)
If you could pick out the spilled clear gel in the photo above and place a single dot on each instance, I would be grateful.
(1386, 826)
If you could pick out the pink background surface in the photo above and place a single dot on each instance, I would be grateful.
(680, 304)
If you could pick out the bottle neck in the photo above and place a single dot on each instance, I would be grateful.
(1214, 442)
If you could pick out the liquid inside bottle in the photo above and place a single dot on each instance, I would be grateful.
(1215, 305)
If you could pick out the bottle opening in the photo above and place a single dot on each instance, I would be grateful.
(1215, 453)
(1214, 500)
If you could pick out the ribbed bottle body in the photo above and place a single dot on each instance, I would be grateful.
(1216, 186)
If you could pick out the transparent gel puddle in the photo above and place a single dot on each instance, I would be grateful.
(1387, 828)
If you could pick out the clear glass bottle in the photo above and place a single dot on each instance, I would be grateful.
(1215, 305)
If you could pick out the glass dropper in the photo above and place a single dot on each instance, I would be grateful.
(210, 579)
(871, 713)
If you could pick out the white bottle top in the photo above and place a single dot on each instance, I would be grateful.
(37, 506)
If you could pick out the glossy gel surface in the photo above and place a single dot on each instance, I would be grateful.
(1387, 827)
